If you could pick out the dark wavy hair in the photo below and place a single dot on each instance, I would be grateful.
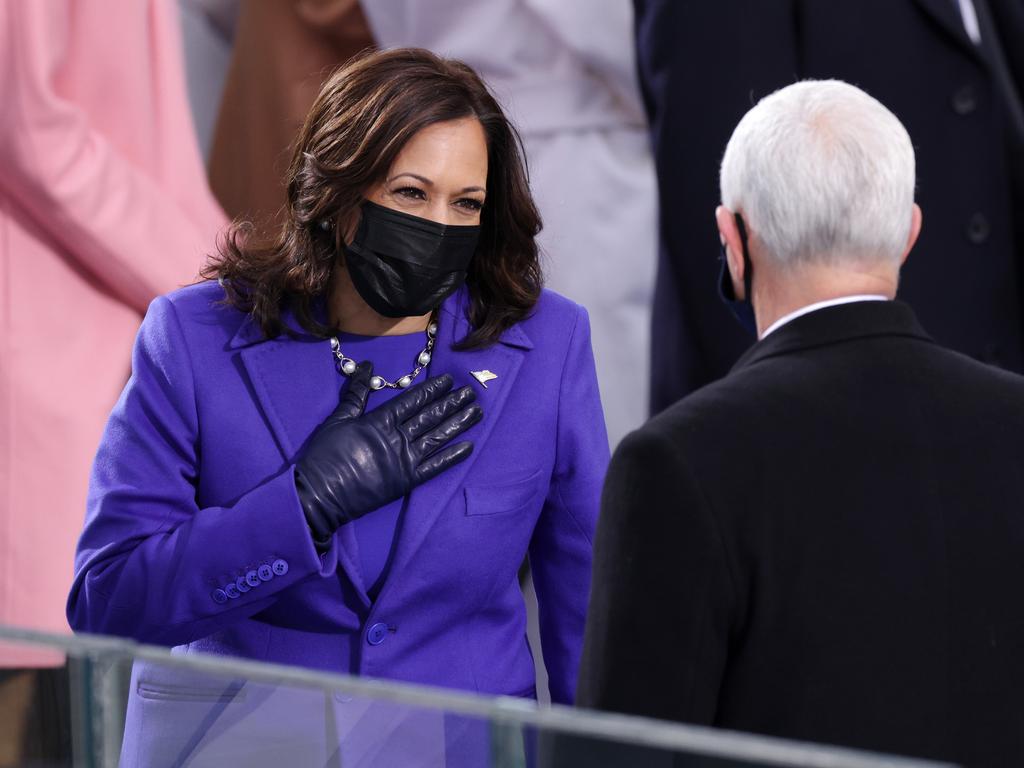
(365, 113)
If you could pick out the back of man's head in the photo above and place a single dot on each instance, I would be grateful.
(823, 174)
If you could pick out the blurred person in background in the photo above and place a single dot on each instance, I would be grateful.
(237, 507)
(103, 206)
(283, 52)
(951, 70)
(826, 544)
(208, 34)
(565, 72)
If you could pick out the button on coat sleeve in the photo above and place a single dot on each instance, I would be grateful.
(153, 565)
(562, 545)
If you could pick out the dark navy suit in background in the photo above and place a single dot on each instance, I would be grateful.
(703, 65)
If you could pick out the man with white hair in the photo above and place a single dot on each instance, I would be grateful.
(827, 544)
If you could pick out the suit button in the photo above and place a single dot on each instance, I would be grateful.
(220, 596)
(253, 579)
(265, 573)
(978, 229)
(232, 591)
(280, 567)
(964, 100)
(242, 585)
(377, 633)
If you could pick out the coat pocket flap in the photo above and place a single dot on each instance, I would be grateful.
(507, 497)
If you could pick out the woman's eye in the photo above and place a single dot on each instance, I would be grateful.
(410, 193)
(469, 204)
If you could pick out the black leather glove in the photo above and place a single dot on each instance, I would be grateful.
(356, 462)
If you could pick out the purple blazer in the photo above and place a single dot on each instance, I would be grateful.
(194, 536)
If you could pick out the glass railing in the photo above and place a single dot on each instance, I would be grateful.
(119, 703)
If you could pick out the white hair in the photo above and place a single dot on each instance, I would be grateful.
(822, 173)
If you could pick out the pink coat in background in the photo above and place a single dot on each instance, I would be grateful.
(103, 206)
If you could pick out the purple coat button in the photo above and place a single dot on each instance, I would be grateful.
(377, 633)
(265, 573)
(219, 596)
(242, 585)
(252, 579)
(280, 567)
(232, 591)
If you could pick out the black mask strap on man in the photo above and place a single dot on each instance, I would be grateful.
(404, 265)
(743, 310)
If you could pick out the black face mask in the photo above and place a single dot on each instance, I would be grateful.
(743, 311)
(405, 266)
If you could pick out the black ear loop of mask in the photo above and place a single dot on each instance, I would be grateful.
(743, 310)
(748, 268)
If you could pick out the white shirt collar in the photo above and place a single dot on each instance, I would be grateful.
(820, 305)
(970, 18)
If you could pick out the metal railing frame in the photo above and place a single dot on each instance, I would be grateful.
(625, 729)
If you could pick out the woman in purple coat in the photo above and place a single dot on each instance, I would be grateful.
(239, 505)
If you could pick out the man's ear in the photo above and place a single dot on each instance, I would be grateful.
(729, 235)
(916, 221)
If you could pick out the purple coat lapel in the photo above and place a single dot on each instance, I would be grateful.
(297, 386)
(428, 501)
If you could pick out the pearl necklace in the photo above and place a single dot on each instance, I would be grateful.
(347, 366)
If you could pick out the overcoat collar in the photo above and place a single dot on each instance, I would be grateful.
(836, 324)
(296, 384)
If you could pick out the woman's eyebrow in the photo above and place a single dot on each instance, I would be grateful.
(427, 182)
(416, 176)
